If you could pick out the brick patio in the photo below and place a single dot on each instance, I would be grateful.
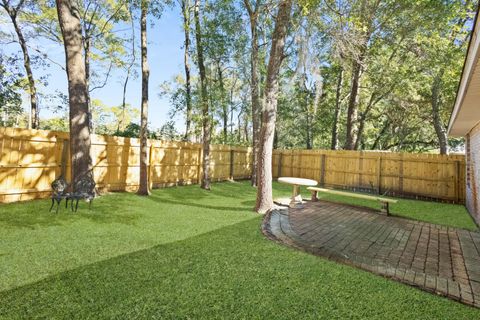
(434, 258)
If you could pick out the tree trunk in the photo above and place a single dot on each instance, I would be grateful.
(376, 143)
(437, 120)
(69, 20)
(204, 100)
(86, 50)
(188, 89)
(255, 95)
(353, 105)
(129, 70)
(223, 103)
(143, 188)
(309, 135)
(334, 143)
(13, 14)
(264, 200)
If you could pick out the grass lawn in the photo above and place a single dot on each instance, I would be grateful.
(188, 253)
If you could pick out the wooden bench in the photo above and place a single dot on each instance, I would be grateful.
(385, 202)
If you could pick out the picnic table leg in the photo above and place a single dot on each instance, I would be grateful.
(296, 197)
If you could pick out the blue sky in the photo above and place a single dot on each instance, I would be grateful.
(165, 57)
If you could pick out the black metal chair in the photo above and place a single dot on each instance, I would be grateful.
(84, 189)
(59, 187)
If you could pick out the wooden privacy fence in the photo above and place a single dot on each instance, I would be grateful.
(31, 159)
(420, 176)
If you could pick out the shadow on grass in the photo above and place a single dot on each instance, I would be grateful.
(231, 272)
(36, 213)
(193, 196)
(122, 207)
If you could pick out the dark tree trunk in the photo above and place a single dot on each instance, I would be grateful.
(264, 200)
(204, 100)
(143, 188)
(336, 116)
(437, 120)
(309, 135)
(376, 143)
(254, 89)
(223, 103)
(13, 14)
(188, 88)
(127, 78)
(86, 50)
(353, 105)
(69, 21)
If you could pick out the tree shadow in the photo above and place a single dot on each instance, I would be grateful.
(34, 214)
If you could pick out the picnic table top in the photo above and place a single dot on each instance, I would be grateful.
(297, 181)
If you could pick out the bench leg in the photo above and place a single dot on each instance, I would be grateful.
(314, 196)
(385, 208)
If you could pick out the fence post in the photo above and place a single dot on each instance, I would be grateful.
(400, 176)
(63, 169)
(457, 182)
(232, 153)
(360, 170)
(280, 159)
(322, 170)
(199, 168)
(150, 179)
(379, 175)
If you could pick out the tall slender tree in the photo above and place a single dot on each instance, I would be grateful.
(185, 6)
(204, 100)
(253, 13)
(336, 115)
(264, 200)
(13, 12)
(69, 20)
(143, 188)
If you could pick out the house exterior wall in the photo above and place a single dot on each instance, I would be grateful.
(473, 172)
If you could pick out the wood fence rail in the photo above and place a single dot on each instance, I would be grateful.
(31, 159)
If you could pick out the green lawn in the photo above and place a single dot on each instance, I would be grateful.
(188, 253)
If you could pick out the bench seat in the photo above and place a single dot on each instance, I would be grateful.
(384, 202)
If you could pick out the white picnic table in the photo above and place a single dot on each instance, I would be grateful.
(296, 183)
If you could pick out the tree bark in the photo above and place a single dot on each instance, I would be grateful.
(264, 200)
(185, 4)
(437, 120)
(69, 20)
(129, 70)
(376, 143)
(13, 14)
(353, 105)
(254, 85)
(309, 129)
(338, 93)
(204, 100)
(86, 50)
(144, 183)
(223, 102)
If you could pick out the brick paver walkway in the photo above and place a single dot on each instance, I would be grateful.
(434, 258)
